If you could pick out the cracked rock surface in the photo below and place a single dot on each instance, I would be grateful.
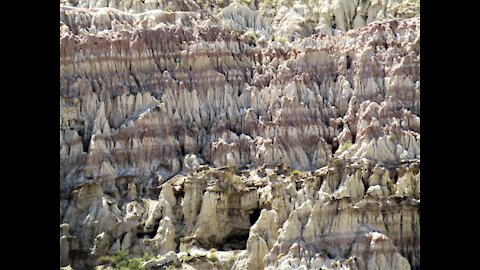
(240, 134)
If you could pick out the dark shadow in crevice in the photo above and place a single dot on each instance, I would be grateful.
(255, 215)
(150, 234)
(236, 240)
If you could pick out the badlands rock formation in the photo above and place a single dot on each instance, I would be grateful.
(240, 135)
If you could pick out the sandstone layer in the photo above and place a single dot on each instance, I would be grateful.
(218, 134)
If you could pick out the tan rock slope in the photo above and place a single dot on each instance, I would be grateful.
(240, 135)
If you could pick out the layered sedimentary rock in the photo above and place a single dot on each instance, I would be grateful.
(284, 141)
(288, 18)
(355, 215)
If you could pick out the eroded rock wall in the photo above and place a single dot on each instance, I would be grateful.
(153, 89)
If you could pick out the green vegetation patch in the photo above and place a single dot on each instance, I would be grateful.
(280, 39)
(345, 146)
(121, 261)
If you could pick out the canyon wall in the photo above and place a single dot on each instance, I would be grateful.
(285, 135)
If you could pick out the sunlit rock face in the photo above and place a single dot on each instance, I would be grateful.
(286, 135)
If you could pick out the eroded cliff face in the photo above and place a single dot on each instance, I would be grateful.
(284, 140)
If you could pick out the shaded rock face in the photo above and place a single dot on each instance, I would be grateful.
(289, 138)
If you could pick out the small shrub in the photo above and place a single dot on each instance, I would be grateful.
(148, 257)
(295, 172)
(280, 255)
(345, 146)
(280, 39)
(121, 261)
